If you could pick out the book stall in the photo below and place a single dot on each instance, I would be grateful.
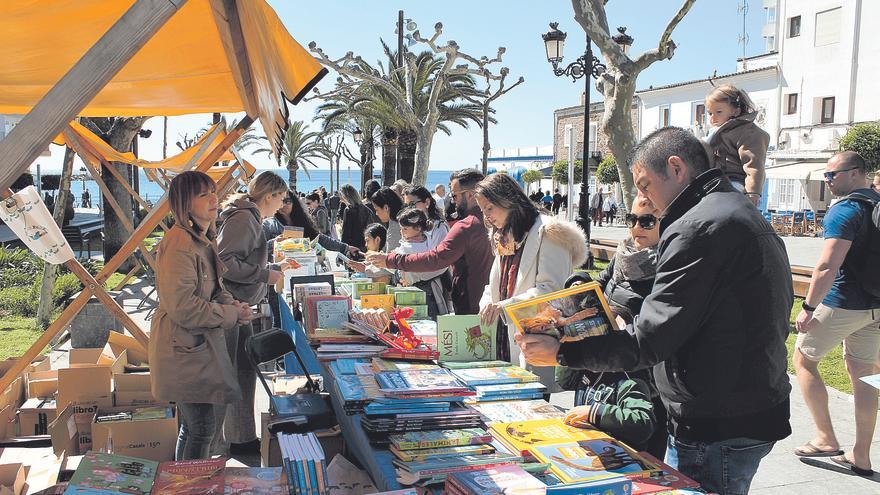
(423, 404)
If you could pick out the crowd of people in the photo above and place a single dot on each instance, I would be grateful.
(701, 288)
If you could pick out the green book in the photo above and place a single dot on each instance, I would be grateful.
(359, 289)
(406, 296)
(463, 338)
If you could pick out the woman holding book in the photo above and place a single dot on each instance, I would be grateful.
(534, 255)
(625, 405)
(189, 359)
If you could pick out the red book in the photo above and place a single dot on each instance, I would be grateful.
(668, 479)
(197, 477)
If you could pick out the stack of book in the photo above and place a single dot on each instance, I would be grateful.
(345, 366)
(388, 417)
(380, 364)
(304, 463)
(573, 454)
(427, 457)
(504, 480)
(426, 382)
(330, 352)
(518, 410)
(357, 391)
(667, 479)
(501, 383)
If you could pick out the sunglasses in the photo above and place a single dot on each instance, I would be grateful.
(830, 175)
(646, 222)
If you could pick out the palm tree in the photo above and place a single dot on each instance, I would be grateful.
(299, 148)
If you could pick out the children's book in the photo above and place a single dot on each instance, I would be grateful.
(462, 338)
(113, 475)
(437, 469)
(419, 382)
(452, 365)
(504, 480)
(587, 460)
(517, 410)
(617, 485)
(201, 476)
(440, 438)
(570, 314)
(666, 478)
(378, 301)
(255, 481)
(526, 435)
(329, 312)
(441, 452)
(495, 376)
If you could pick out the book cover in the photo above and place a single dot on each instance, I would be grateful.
(588, 460)
(440, 438)
(452, 365)
(517, 410)
(441, 452)
(405, 296)
(570, 314)
(255, 481)
(462, 338)
(618, 485)
(357, 388)
(328, 312)
(526, 435)
(666, 478)
(508, 388)
(504, 480)
(112, 474)
(418, 381)
(201, 476)
(495, 376)
(378, 301)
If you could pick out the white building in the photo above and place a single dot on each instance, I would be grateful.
(829, 59)
(527, 157)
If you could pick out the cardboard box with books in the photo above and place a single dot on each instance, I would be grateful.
(570, 314)
(34, 417)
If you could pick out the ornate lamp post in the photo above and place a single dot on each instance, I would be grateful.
(554, 41)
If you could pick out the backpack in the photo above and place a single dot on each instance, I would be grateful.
(867, 266)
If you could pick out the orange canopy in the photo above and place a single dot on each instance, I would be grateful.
(189, 66)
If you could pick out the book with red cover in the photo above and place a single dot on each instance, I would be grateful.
(667, 479)
(196, 477)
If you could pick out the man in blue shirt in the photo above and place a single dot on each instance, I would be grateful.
(837, 309)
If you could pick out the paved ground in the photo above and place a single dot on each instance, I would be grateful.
(801, 250)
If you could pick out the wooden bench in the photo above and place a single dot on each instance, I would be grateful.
(82, 233)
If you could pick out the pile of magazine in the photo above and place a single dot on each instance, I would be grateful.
(501, 383)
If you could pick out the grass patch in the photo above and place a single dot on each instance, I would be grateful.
(17, 334)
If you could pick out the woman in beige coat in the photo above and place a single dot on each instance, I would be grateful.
(534, 255)
(189, 360)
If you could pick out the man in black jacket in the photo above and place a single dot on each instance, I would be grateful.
(714, 325)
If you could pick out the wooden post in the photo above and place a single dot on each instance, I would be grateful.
(81, 84)
(111, 265)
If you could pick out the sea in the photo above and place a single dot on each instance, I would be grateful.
(151, 191)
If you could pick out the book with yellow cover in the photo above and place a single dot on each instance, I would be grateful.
(526, 435)
(570, 314)
(587, 460)
(378, 301)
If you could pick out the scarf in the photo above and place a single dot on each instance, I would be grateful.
(631, 263)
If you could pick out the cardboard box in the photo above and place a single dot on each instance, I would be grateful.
(89, 379)
(132, 382)
(12, 477)
(153, 439)
(135, 398)
(331, 441)
(42, 384)
(10, 399)
(136, 352)
(35, 415)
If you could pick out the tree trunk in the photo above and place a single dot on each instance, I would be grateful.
(408, 143)
(122, 131)
(50, 271)
(292, 168)
(423, 156)
(617, 122)
(485, 138)
(389, 155)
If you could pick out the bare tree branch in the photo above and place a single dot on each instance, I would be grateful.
(665, 47)
(590, 14)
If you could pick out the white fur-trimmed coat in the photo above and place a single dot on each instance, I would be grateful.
(553, 249)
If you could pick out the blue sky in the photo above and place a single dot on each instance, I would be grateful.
(706, 38)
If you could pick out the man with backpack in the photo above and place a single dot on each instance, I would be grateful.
(843, 304)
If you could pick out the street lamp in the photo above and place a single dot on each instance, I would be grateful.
(623, 40)
(554, 41)
(358, 135)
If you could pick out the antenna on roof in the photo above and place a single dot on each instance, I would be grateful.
(743, 38)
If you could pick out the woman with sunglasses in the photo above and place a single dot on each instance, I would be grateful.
(625, 405)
